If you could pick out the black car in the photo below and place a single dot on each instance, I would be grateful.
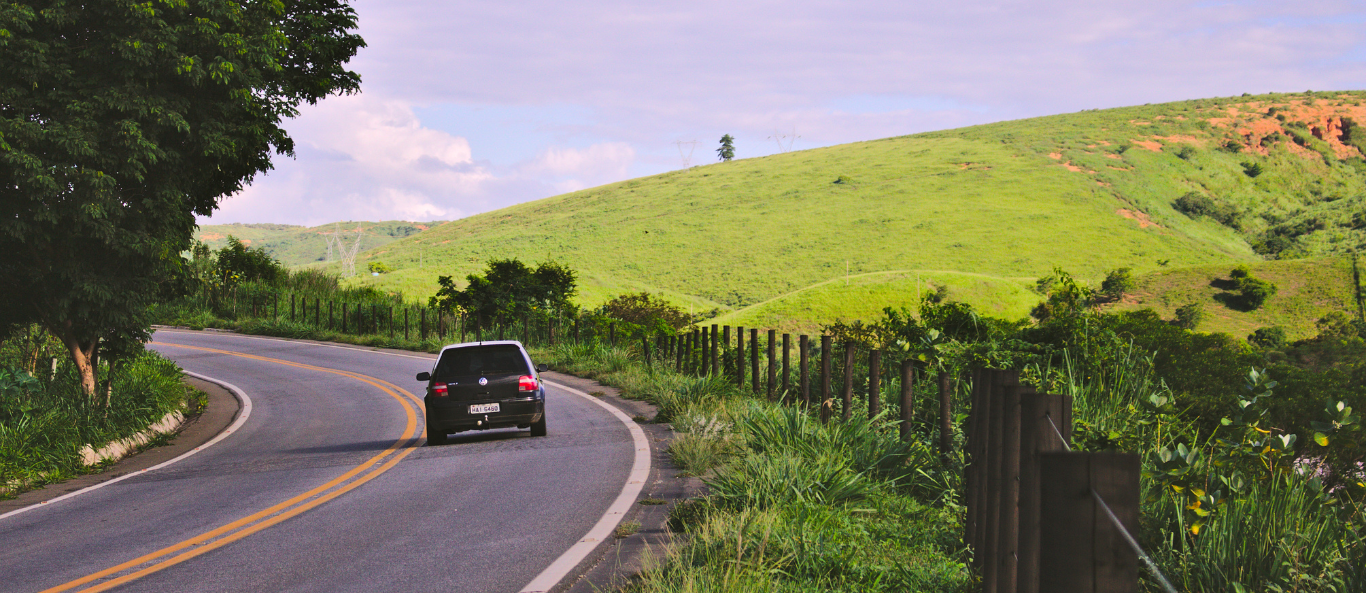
(483, 385)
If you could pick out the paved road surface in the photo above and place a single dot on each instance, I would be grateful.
(328, 487)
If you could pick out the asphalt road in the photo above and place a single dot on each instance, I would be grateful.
(328, 486)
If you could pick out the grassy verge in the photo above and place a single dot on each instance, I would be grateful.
(46, 420)
(793, 505)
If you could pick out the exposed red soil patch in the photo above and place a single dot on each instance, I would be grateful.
(1057, 156)
(1102, 184)
(1142, 218)
(1071, 167)
(1119, 168)
(421, 227)
(1139, 122)
(210, 236)
(1180, 138)
(1152, 145)
(1113, 156)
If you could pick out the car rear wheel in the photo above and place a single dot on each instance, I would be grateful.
(538, 427)
(435, 436)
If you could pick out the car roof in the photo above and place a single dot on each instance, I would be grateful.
(485, 343)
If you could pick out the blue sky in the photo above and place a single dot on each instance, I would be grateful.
(473, 106)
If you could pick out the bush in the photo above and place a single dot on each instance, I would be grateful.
(648, 311)
(1268, 338)
(1185, 153)
(1252, 169)
(1194, 204)
(1117, 283)
(1254, 292)
(1189, 316)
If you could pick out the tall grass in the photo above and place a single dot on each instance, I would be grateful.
(43, 428)
(792, 504)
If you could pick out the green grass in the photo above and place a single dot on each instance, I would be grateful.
(770, 238)
(1307, 289)
(296, 245)
(863, 298)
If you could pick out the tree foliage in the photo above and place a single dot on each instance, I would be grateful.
(509, 289)
(727, 150)
(648, 311)
(246, 264)
(119, 122)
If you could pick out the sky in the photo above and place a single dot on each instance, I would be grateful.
(472, 106)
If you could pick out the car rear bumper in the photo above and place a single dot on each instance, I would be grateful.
(454, 416)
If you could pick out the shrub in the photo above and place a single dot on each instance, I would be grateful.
(649, 311)
(1268, 338)
(376, 267)
(1194, 204)
(1252, 169)
(1117, 283)
(1189, 316)
(1254, 292)
(1185, 153)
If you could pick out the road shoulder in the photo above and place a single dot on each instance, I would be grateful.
(222, 409)
(619, 561)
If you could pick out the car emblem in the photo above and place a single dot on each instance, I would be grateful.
(483, 381)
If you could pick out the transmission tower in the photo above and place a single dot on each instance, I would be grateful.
(780, 138)
(333, 238)
(348, 256)
(687, 158)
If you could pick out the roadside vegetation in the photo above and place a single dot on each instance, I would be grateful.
(1252, 451)
(46, 419)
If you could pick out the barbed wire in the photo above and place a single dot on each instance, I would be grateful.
(1128, 537)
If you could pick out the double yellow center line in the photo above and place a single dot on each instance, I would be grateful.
(171, 555)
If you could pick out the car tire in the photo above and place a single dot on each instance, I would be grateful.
(538, 427)
(435, 436)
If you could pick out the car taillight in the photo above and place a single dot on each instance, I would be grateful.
(526, 383)
(439, 390)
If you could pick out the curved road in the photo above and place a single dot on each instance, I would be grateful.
(327, 487)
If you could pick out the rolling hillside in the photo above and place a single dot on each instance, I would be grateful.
(982, 209)
(296, 245)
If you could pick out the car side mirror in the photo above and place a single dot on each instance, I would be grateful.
(424, 376)
(541, 368)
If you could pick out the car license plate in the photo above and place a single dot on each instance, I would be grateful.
(483, 408)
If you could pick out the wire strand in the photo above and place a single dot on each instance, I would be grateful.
(1152, 566)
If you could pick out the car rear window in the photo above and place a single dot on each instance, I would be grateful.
(482, 360)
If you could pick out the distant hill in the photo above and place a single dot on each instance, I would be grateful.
(1195, 184)
(297, 245)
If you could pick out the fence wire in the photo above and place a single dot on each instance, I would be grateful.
(1128, 537)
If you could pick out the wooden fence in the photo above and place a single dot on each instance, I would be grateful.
(1040, 518)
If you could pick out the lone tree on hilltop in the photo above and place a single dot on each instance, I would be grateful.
(120, 121)
(727, 150)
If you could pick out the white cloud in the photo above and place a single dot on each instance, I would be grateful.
(368, 158)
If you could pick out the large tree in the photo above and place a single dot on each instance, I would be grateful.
(119, 122)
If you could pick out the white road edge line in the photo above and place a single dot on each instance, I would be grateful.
(232, 428)
(635, 482)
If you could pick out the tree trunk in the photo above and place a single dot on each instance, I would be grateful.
(85, 356)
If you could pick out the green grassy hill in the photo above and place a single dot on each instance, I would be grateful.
(297, 245)
(982, 209)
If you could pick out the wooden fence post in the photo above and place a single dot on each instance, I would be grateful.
(645, 347)
(344, 309)
(740, 357)
(874, 382)
(422, 325)
(754, 361)
(999, 381)
(787, 395)
(907, 397)
(847, 394)
(1036, 437)
(405, 324)
(1009, 480)
(1085, 551)
(772, 363)
(804, 370)
(715, 348)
